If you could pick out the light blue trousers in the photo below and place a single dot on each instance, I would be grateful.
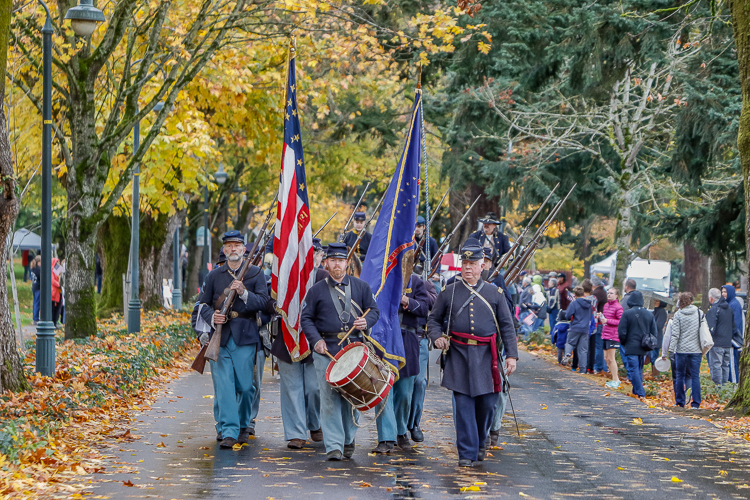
(335, 411)
(497, 422)
(420, 385)
(300, 399)
(394, 417)
(260, 365)
(232, 377)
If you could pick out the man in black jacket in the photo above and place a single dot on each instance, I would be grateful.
(720, 319)
(635, 324)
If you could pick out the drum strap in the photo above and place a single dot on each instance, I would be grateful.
(337, 296)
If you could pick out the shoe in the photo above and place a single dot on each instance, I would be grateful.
(244, 435)
(335, 455)
(416, 435)
(403, 442)
(613, 385)
(228, 442)
(566, 359)
(383, 447)
(218, 436)
(317, 436)
(494, 437)
(590, 372)
(465, 462)
(251, 431)
(482, 454)
(349, 450)
(296, 444)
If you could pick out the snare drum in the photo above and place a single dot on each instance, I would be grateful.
(360, 376)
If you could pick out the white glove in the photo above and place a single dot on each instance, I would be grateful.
(203, 338)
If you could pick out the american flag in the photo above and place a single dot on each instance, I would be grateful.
(292, 247)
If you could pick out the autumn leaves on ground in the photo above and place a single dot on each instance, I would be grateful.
(56, 434)
(660, 392)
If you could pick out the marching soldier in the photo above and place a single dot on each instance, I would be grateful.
(469, 318)
(300, 392)
(419, 238)
(491, 237)
(420, 382)
(351, 236)
(332, 307)
(392, 423)
(233, 372)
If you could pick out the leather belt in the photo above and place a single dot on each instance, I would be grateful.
(246, 315)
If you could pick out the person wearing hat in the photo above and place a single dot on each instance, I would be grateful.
(491, 237)
(351, 237)
(331, 308)
(392, 421)
(233, 373)
(419, 238)
(299, 389)
(468, 320)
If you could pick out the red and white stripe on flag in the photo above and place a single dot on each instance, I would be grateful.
(292, 255)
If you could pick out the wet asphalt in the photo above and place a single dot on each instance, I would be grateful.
(577, 440)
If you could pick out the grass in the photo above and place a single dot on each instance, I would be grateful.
(25, 296)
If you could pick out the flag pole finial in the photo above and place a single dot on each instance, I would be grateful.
(419, 78)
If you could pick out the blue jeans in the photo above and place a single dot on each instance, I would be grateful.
(335, 412)
(684, 362)
(472, 418)
(634, 366)
(578, 342)
(36, 305)
(254, 407)
(232, 376)
(736, 374)
(525, 329)
(300, 399)
(553, 319)
(420, 385)
(599, 364)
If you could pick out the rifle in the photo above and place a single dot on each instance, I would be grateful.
(211, 350)
(364, 229)
(324, 225)
(343, 231)
(439, 255)
(506, 257)
(420, 247)
(520, 262)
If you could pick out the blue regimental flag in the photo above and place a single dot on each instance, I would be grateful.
(392, 241)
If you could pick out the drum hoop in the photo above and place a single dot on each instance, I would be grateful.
(337, 357)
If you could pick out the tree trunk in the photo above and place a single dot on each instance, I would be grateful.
(717, 272)
(459, 202)
(114, 242)
(623, 236)
(11, 371)
(156, 257)
(195, 255)
(694, 268)
(741, 22)
(586, 246)
(80, 286)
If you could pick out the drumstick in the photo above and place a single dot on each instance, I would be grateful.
(330, 356)
(352, 328)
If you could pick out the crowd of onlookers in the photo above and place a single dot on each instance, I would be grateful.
(590, 323)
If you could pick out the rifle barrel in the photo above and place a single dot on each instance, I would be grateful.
(367, 224)
(324, 225)
(343, 231)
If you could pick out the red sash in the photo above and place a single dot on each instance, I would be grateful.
(497, 381)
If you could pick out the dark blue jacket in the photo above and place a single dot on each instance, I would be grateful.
(243, 328)
(421, 250)
(579, 314)
(635, 323)
(734, 304)
(720, 319)
(560, 334)
(501, 244)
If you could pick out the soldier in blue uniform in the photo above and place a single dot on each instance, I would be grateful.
(233, 372)
(299, 389)
(490, 236)
(392, 423)
(331, 307)
(419, 238)
(351, 236)
(468, 320)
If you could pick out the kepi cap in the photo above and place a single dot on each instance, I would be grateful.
(337, 251)
(359, 216)
(233, 235)
(472, 250)
(420, 221)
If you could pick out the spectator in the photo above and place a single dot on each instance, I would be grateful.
(526, 304)
(553, 303)
(686, 346)
(730, 295)
(630, 286)
(26, 263)
(56, 292)
(610, 319)
(36, 278)
(541, 302)
(579, 314)
(184, 264)
(98, 273)
(596, 348)
(563, 287)
(635, 324)
(560, 335)
(660, 316)
(720, 319)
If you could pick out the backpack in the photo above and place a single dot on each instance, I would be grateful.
(649, 342)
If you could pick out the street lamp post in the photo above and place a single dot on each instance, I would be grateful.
(45, 331)
(176, 281)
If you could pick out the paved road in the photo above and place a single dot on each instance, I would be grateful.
(575, 441)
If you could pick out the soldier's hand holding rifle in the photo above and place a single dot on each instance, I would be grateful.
(203, 339)
(219, 318)
(238, 287)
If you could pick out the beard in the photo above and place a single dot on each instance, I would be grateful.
(337, 274)
(233, 257)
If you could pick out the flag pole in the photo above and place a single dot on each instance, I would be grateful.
(428, 258)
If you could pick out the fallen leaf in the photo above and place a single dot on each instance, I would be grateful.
(676, 479)
(471, 488)
(128, 483)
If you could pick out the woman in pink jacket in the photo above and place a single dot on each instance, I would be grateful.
(611, 319)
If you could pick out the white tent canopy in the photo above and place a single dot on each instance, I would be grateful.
(23, 239)
(606, 266)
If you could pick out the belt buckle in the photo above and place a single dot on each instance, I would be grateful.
(233, 314)
(471, 342)
(341, 335)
